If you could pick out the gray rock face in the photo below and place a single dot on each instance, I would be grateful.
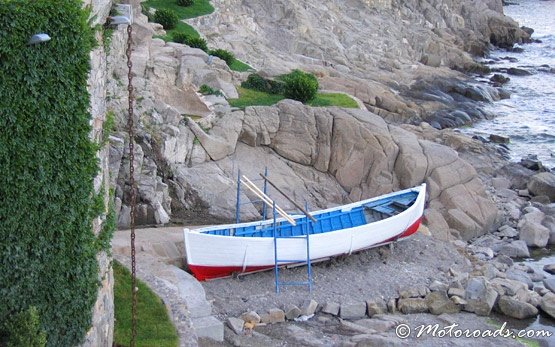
(309, 307)
(414, 292)
(548, 304)
(550, 268)
(543, 184)
(377, 324)
(250, 317)
(276, 316)
(515, 249)
(520, 276)
(267, 35)
(325, 155)
(439, 303)
(375, 306)
(353, 310)
(516, 309)
(235, 324)
(413, 305)
(505, 286)
(292, 312)
(549, 223)
(549, 284)
(534, 234)
(331, 308)
(480, 296)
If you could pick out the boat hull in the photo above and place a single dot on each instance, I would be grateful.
(214, 256)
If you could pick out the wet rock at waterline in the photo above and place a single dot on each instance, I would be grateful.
(543, 184)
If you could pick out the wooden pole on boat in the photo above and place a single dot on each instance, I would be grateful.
(248, 183)
(264, 197)
(288, 198)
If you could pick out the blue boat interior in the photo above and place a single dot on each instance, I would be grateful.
(326, 221)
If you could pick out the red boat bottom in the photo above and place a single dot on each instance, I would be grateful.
(412, 228)
(203, 273)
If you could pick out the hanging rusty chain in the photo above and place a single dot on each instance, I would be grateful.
(133, 190)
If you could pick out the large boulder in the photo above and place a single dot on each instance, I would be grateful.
(534, 234)
(367, 157)
(413, 305)
(516, 309)
(543, 184)
(439, 303)
(480, 296)
(548, 304)
(515, 249)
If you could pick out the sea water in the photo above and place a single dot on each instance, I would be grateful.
(528, 117)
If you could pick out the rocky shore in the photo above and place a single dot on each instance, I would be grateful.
(482, 211)
(359, 300)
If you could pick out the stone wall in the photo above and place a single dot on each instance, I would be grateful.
(101, 332)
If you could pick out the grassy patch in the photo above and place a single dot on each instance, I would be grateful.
(333, 99)
(199, 8)
(238, 65)
(249, 97)
(180, 28)
(523, 341)
(154, 327)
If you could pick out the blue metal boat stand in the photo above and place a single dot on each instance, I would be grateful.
(278, 262)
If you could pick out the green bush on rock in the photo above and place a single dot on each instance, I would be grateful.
(301, 86)
(167, 18)
(180, 38)
(185, 3)
(197, 42)
(223, 54)
(193, 42)
(207, 90)
(257, 82)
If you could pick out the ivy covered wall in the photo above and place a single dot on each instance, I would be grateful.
(47, 166)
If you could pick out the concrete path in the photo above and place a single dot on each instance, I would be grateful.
(160, 258)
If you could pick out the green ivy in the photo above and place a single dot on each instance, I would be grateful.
(104, 238)
(47, 162)
(108, 127)
(25, 330)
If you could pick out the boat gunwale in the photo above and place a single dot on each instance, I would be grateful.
(418, 189)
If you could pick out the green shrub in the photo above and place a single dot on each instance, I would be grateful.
(47, 248)
(301, 86)
(167, 18)
(108, 127)
(180, 37)
(223, 54)
(207, 90)
(194, 42)
(197, 42)
(23, 330)
(185, 3)
(257, 82)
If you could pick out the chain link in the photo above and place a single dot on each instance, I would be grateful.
(133, 188)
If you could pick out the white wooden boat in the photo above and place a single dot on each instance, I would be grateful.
(222, 250)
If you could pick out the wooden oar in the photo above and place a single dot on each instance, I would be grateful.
(288, 198)
(264, 197)
(248, 183)
(268, 201)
